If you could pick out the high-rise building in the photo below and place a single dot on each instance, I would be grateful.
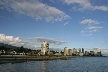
(83, 50)
(92, 53)
(70, 51)
(47, 47)
(44, 47)
(86, 53)
(98, 53)
(74, 51)
(66, 51)
(79, 50)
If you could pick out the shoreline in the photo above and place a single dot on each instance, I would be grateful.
(16, 59)
(19, 59)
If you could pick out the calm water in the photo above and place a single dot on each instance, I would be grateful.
(80, 64)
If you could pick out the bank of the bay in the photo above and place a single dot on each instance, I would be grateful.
(18, 58)
(15, 59)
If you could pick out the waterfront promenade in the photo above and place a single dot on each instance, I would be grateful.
(24, 58)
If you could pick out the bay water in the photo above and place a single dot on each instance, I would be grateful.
(79, 64)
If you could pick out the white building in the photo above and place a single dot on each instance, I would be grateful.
(44, 47)
(81, 54)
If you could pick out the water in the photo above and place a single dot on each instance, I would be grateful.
(80, 64)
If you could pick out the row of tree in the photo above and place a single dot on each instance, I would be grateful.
(17, 49)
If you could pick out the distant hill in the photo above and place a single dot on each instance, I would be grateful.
(8, 46)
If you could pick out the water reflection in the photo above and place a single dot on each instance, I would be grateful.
(80, 64)
(43, 66)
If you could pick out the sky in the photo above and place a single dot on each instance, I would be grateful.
(62, 23)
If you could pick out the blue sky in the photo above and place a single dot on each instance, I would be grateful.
(70, 23)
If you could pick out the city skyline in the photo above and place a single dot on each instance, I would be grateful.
(63, 23)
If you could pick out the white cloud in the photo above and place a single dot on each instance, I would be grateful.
(103, 51)
(85, 33)
(9, 39)
(94, 28)
(49, 40)
(89, 30)
(89, 21)
(96, 49)
(66, 23)
(3, 17)
(35, 9)
(52, 1)
(91, 26)
(85, 4)
(29, 43)
(103, 8)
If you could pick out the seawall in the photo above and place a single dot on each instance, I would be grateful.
(12, 58)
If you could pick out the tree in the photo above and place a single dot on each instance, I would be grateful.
(21, 49)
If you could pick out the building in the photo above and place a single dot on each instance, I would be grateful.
(92, 53)
(57, 54)
(70, 51)
(12, 52)
(74, 52)
(2, 52)
(79, 50)
(22, 53)
(86, 53)
(66, 51)
(83, 50)
(99, 53)
(44, 48)
(81, 54)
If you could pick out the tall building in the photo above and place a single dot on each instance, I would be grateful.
(86, 53)
(44, 48)
(80, 53)
(70, 51)
(66, 51)
(74, 51)
(92, 53)
(99, 53)
(79, 50)
(83, 50)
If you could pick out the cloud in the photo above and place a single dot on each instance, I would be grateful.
(3, 17)
(85, 33)
(9, 39)
(89, 21)
(91, 26)
(103, 8)
(52, 1)
(103, 51)
(66, 23)
(34, 8)
(29, 43)
(85, 4)
(49, 40)
(94, 28)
